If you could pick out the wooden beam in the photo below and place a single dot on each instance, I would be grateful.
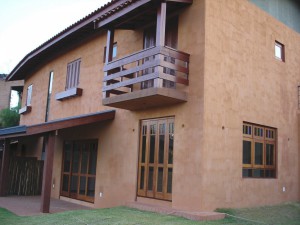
(47, 174)
(4, 168)
(122, 12)
(161, 24)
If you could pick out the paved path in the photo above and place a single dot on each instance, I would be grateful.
(30, 205)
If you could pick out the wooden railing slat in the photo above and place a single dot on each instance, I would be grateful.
(131, 81)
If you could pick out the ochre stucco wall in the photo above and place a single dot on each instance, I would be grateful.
(245, 82)
(234, 77)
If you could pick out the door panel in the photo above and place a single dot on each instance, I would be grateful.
(79, 170)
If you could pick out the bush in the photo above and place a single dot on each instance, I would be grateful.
(9, 117)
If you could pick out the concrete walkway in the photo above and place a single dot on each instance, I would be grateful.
(30, 205)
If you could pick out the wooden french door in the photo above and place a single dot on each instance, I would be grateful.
(156, 158)
(79, 170)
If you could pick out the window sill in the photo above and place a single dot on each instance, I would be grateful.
(70, 93)
(25, 109)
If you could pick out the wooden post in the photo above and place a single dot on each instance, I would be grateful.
(109, 45)
(47, 174)
(108, 54)
(161, 24)
(4, 170)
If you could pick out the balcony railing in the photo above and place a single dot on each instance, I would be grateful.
(154, 71)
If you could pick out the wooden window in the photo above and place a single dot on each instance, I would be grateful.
(78, 175)
(279, 51)
(259, 151)
(114, 52)
(29, 95)
(156, 158)
(73, 71)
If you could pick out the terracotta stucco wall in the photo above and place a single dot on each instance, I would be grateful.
(245, 82)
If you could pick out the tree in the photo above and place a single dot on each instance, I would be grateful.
(9, 117)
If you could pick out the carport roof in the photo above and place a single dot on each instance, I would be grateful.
(57, 124)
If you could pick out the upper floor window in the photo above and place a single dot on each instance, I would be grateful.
(259, 151)
(73, 71)
(279, 51)
(29, 95)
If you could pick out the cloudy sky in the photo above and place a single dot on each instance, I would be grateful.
(26, 24)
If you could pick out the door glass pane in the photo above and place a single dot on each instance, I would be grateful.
(93, 161)
(74, 184)
(84, 159)
(269, 154)
(142, 180)
(171, 142)
(160, 179)
(258, 153)
(67, 156)
(65, 186)
(143, 149)
(91, 187)
(152, 149)
(82, 185)
(161, 143)
(170, 175)
(150, 179)
(75, 162)
(246, 152)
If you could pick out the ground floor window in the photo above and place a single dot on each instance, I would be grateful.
(79, 169)
(156, 158)
(259, 151)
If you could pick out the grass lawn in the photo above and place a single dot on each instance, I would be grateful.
(285, 214)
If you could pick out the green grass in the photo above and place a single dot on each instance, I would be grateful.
(286, 214)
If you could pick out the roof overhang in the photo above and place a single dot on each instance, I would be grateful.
(123, 13)
(59, 124)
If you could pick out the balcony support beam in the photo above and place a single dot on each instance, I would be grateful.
(161, 24)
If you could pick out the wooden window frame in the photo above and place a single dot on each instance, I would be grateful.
(73, 73)
(282, 51)
(269, 137)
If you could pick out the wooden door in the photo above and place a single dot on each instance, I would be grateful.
(79, 170)
(156, 158)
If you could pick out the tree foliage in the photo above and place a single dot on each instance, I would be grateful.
(9, 117)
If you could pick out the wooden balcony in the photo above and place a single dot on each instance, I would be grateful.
(153, 77)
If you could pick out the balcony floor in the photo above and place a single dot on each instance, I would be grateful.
(147, 98)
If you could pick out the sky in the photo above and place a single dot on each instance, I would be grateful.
(26, 24)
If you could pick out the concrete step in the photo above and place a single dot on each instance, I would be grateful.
(200, 216)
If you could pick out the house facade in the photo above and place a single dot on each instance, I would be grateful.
(187, 104)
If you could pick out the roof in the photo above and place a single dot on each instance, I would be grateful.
(82, 28)
(58, 124)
